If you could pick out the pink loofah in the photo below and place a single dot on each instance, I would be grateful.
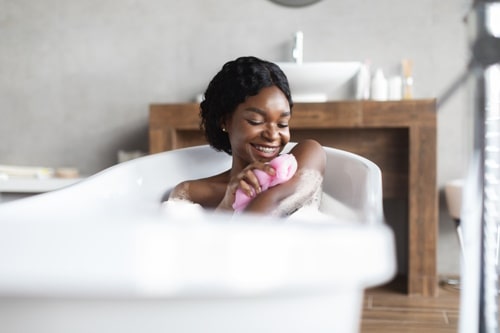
(285, 166)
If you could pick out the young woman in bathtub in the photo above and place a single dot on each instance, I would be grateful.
(245, 113)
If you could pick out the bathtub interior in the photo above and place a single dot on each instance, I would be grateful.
(102, 256)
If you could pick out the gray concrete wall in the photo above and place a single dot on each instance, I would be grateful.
(76, 77)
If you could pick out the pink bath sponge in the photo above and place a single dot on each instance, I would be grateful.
(285, 166)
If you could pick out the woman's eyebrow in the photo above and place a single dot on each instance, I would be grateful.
(263, 113)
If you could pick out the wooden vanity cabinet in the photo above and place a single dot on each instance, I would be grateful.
(399, 136)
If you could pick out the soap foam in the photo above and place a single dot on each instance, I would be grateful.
(308, 193)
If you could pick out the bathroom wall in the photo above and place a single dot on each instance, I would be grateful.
(76, 77)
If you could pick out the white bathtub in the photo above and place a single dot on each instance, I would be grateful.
(103, 256)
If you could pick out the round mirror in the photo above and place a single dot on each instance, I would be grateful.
(295, 3)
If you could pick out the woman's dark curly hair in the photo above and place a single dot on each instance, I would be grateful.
(237, 80)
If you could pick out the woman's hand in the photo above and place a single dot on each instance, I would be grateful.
(246, 181)
(300, 189)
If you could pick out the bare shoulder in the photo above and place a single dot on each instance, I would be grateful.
(181, 191)
(310, 154)
(204, 191)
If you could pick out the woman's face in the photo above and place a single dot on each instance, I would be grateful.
(258, 129)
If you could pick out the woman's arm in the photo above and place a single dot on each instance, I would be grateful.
(311, 163)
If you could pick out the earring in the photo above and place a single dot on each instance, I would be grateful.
(224, 129)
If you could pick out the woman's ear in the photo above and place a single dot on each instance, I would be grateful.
(222, 126)
(224, 123)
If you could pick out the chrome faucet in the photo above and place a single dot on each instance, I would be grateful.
(298, 47)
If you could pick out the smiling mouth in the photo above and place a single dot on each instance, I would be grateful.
(266, 150)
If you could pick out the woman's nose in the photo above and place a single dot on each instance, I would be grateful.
(271, 132)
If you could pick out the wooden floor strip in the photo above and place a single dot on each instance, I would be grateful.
(388, 309)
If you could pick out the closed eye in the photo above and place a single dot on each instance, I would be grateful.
(254, 122)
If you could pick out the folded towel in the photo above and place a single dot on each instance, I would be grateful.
(285, 166)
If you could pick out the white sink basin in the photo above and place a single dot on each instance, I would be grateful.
(322, 81)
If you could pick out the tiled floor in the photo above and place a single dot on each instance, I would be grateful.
(387, 309)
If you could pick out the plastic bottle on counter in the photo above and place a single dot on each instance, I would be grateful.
(395, 88)
(379, 87)
(364, 81)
